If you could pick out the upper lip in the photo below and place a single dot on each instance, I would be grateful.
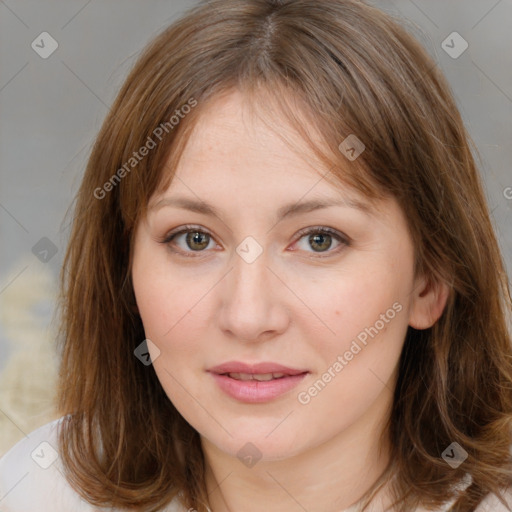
(257, 368)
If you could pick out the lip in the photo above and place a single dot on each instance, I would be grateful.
(265, 367)
(252, 391)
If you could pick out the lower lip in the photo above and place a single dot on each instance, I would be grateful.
(253, 391)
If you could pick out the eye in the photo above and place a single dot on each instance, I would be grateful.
(195, 239)
(321, 239)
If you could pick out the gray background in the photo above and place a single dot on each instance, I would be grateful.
(51, 109)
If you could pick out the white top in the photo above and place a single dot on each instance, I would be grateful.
(31, 480)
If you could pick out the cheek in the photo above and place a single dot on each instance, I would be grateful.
(161, 299)
(174, 312)
(355, 301)
(167, 313)
(170, 313)
(365, 319)
(357, 361)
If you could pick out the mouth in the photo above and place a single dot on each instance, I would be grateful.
(261, 377)
(256, 383)
(237, 369)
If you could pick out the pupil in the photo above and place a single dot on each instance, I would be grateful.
(319, 238)
(194, 238)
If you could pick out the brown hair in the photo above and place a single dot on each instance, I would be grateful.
(351, 69)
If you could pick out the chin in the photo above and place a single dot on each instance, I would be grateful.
(264, 441)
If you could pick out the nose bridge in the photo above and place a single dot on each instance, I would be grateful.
(251, 298)
(249, 279)
(250, 272)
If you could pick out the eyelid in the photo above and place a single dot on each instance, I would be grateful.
(184, 229)
(323, 229)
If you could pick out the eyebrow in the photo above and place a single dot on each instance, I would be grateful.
(285, 211)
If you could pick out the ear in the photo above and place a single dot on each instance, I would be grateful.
(427, 302)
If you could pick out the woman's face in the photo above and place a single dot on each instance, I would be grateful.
(262, 333)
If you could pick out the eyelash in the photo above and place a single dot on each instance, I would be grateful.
(343, 239)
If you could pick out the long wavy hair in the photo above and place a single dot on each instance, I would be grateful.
(349, 68)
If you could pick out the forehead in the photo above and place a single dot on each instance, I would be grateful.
(234, 139)
(248, 152)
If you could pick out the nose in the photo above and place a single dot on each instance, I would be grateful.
(252, 305)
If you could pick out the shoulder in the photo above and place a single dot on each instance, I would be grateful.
(32, 478)
(492, 503)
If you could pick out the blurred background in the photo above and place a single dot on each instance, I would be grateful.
(61, 64)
